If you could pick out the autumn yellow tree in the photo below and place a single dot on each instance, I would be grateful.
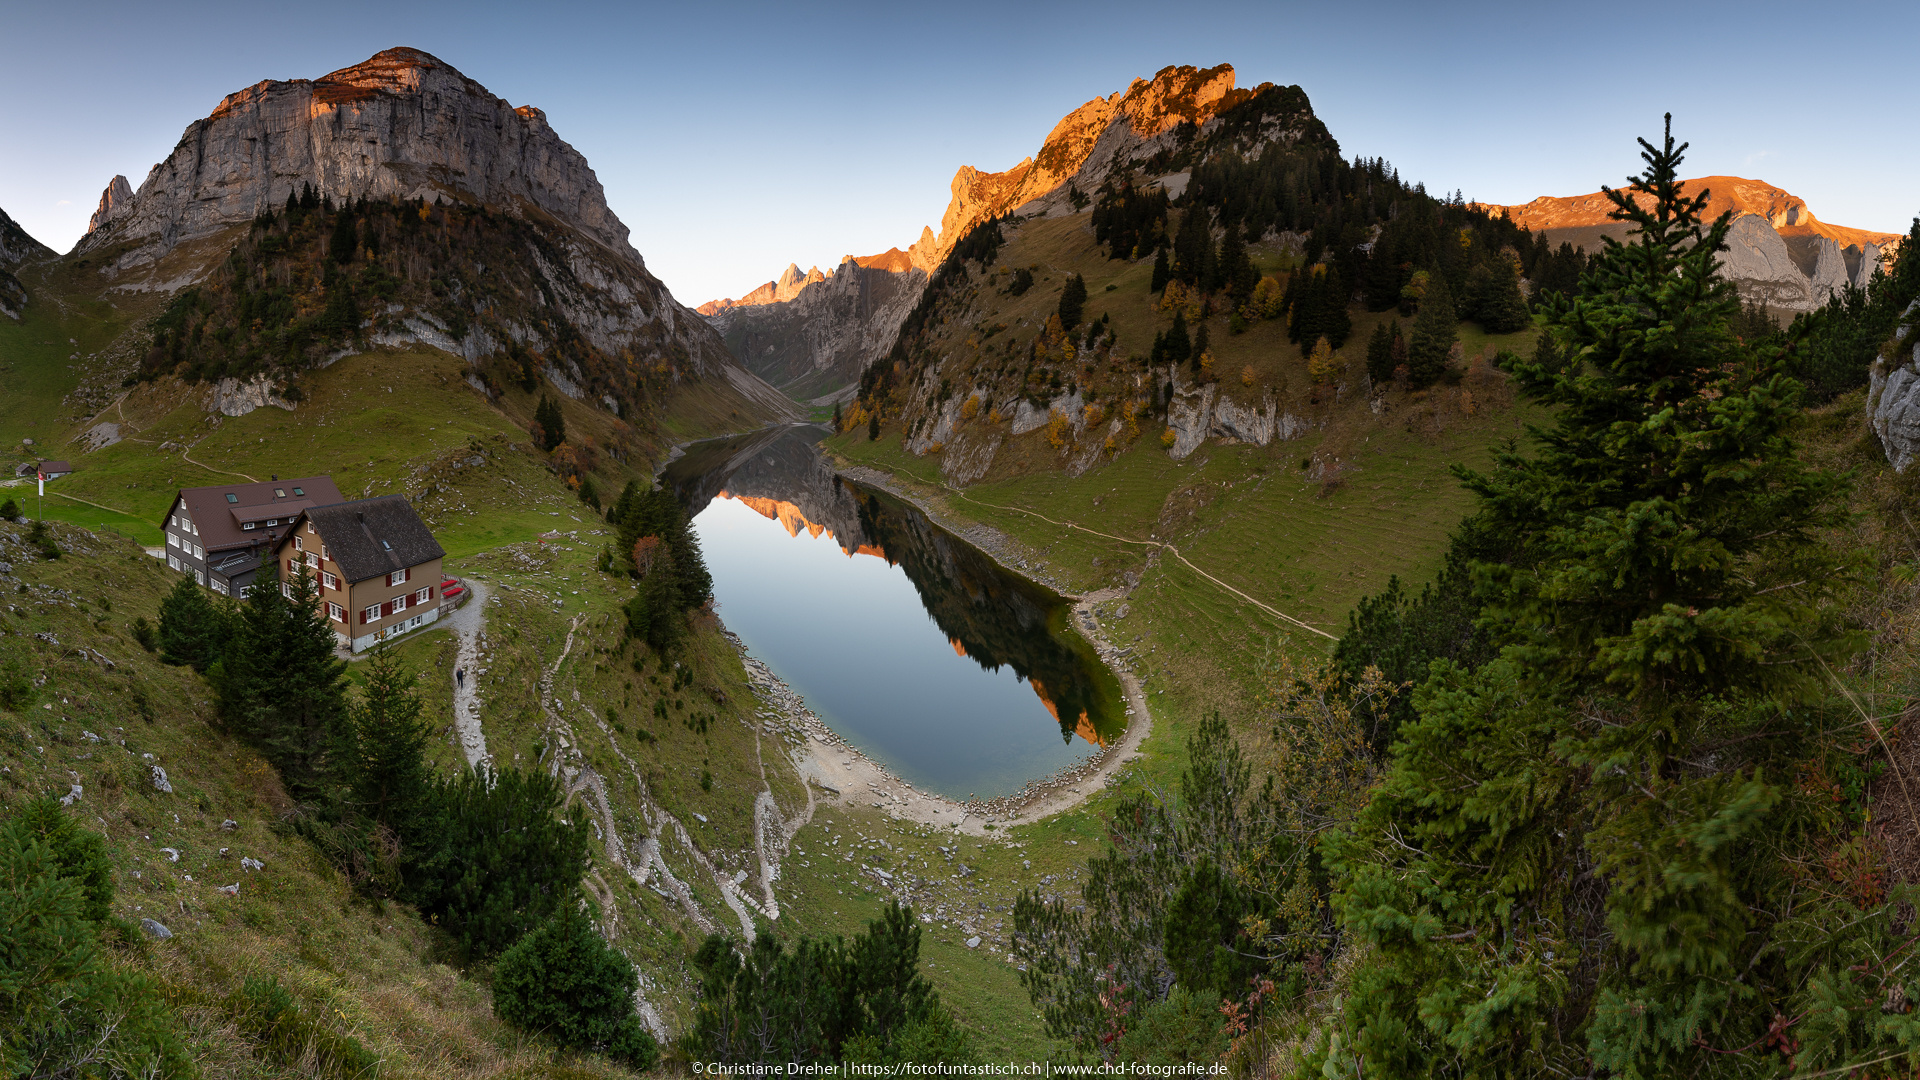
(1323, 363)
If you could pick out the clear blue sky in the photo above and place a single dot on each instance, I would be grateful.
(735, 138)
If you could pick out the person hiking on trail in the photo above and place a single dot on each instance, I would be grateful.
(460, 678)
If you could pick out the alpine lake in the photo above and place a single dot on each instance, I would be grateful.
(951, 672)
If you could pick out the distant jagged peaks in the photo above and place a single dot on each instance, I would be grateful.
(402, 124)
(791, 282)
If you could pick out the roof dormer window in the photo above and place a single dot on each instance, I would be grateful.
(298, 491)
(247, 525)
(232, 498)
(273, 521)
(279, 493)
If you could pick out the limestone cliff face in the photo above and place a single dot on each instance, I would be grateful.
(815, 333)
(1893, 400)
(1778, 251)
(403, 124)
(16, 247)
(406, 125)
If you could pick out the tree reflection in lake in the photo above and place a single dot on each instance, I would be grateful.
(841, 633)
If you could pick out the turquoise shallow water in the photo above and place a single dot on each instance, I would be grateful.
(910, 644)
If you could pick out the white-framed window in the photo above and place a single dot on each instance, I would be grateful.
(297, 545)
(398, 577)
(423, 595)
(173, 563)
(197, 552)
(313, 561)
(399, 604)
(329, 580)
(286, 589)
(247, 525)
(336, 612)
(323, 552)
(273, 521)
(173, 540)
(370, 614)
(220, 587)
(199, 578)
(195, 529)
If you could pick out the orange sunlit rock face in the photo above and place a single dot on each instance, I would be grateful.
(959, 649)
(1786, 212)
(1082, 727)
(792, 520)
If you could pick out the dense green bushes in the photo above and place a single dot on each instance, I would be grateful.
(654, 542)
(564, 982)
(67, 1008)
(825, 1000)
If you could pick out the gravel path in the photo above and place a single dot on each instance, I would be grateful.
(469, 623)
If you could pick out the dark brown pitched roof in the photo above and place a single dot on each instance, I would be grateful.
(55, 467)
(371, 537)
(220, 521)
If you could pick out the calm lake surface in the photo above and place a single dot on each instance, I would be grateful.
(914, 646)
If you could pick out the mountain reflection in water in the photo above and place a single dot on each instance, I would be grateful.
(918, 714)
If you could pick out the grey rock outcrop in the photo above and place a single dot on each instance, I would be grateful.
(16, 247)
(1893, 403)
(403, 124)
(407, 125)
(115, 202)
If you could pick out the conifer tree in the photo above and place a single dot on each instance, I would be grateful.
(1162, 271)
(564, 982)
(1380, 351)
(1583, 860)
(1073, 301)
(388, 777)
(192, 630)
(1435, 329)
(1502, 308)
(1193, 247)
(553, 425)
(345, 241)
(281, 688)
(495, 860)
(1237, 272)
(1177, 345)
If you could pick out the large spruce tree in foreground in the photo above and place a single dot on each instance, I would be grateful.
(1600, 853)
(280, 687)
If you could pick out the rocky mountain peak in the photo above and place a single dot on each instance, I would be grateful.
(402, 124)
(1111, 136)
(1777, 251)
(114, 202)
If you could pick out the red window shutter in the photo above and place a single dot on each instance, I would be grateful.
(406, 575)
(363, 616)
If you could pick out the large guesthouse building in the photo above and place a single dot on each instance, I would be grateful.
(219, 534)
(374, 562)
